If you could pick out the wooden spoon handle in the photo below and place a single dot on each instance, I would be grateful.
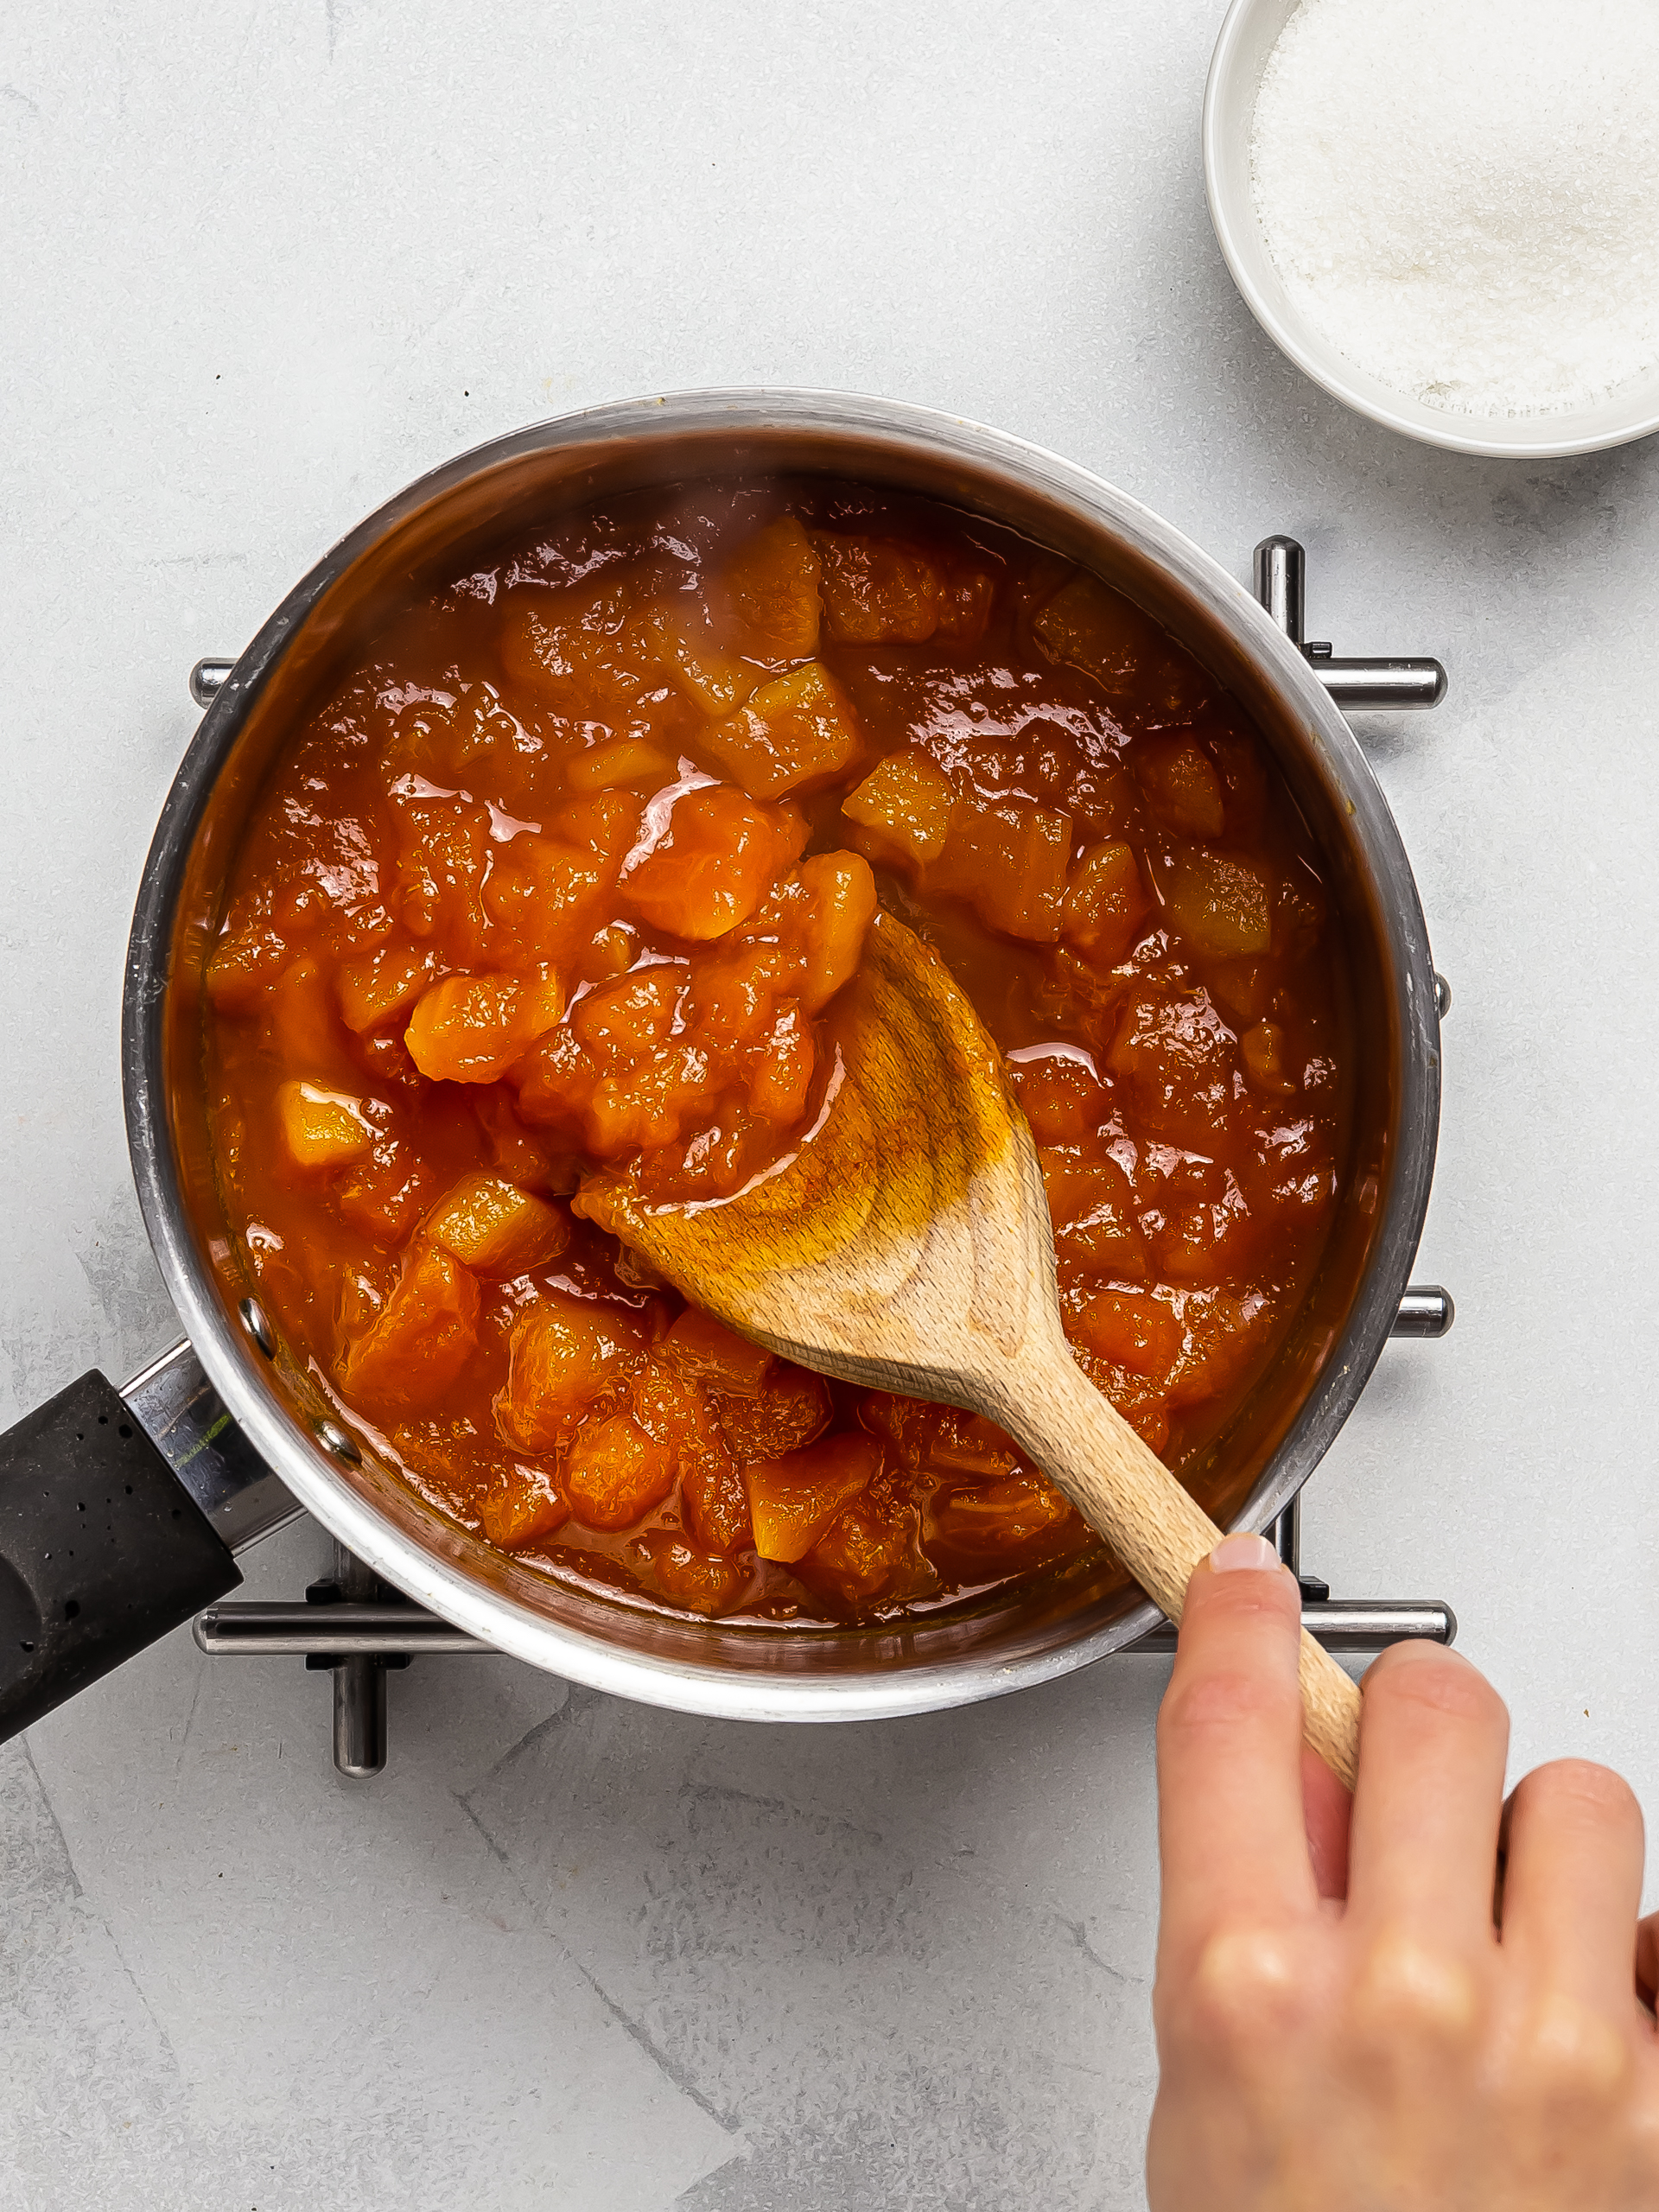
(1124, 1491)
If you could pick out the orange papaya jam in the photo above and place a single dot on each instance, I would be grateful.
(566, 875)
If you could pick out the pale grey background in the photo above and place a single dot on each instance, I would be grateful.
(262, 264)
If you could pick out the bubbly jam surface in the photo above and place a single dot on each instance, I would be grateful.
(567, 873)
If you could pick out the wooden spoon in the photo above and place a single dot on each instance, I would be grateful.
(907, 1245)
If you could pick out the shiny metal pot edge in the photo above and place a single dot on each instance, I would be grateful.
(305, 1467)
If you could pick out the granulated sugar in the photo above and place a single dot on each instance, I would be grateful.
(1462, 196)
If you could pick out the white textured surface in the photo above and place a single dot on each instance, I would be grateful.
(263, 264)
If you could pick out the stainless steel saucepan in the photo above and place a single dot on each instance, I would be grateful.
(119, 1511)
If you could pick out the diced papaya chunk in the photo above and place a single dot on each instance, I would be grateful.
(564, 1353)
(711, 870)
(383, 1197)
(667, 1565)
(1139, 1398)
(616, 1472)
(494, 1228)
(1222, 905)
(443, 742)
(1088, 625)
(968, 1444)
(584, 652)
(619, 760)
(555, 1083)
(1062, 1097)
(1068, 1178)
(245, 963)
(651, 1105)
(322, 1128)
(471, 1028)
(443, 856)
(702, 1348)
(790, 831)
(1209, 1229)
(905, 1425)
(876, 592)
(798, 729)
(1175, 1057)
(1243, 988)
(1181, 786)
(1296, 1160)
(1263, 1049)
(1105, 800)
(783, 1076)
(736, 995)
(982, 1524)
(870, 1557)
(771, 585)
(372, 991)
(966, 598)
(426, 741)
(1226, 1331)
(790, 1412)
(843, 891)
(421, 1339)
(906, 805)
(304, 1025)
(550, 895)
(1131, 1327)
(793, 1500)
(674, 1410)
(926, 1436)
(1105, 903)
(672, 1406)
(645, 1105)
(713, 681)
(1096, 1226)
(446, 1450)
(523, 1505)
(604, 825)
(300, 900)
(1009, 857)
(716, 1501)
(624, 1022)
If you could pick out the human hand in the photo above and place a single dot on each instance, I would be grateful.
(1339, 2023)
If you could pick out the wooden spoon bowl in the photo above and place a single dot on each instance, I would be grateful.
(905, 1245)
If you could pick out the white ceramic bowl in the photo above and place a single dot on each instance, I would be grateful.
(1248, 37)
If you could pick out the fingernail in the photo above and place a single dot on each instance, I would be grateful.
(1234, 1552)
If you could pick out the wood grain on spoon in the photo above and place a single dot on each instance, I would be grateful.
(907, 1245)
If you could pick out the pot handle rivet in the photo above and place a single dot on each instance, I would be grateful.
(254, 1321)
(1425, 1310)
(207, 680)
(334, 1439)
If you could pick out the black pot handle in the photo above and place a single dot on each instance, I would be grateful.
(102, 1548)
